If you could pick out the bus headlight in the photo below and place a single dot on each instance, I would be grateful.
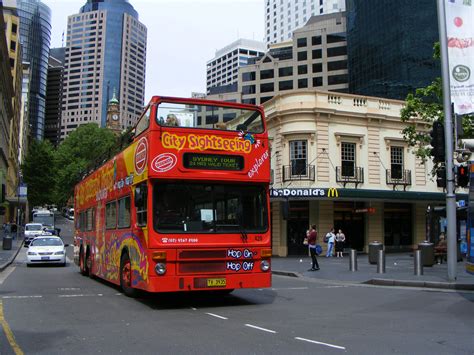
(160, 268)
(265, 265)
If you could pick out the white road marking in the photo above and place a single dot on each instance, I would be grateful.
(5, 273)
(321, 343)
(260, 328)
(68, 289)
(21, 297)
(283, 288)
(80, 295)
(194, 309)
(216, 315)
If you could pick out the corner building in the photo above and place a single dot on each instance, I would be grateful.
(105, 51)
(340, 160)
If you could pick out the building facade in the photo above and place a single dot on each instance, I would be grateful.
(282, 17)
(35, 37)
(315, 58)
(105, 51)
(223, 69)
(340, 160)
(390, 46)
(54, 94)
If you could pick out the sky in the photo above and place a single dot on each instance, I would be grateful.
(183, 35)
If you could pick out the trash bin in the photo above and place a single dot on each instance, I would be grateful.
(7, 242)
(427, 253)
(374, 248)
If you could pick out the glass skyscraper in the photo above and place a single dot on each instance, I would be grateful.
(35, 36)
(390, 46)
(105, 53)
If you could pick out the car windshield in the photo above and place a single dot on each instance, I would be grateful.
(33, 227)
(209, 208)
(46, 242)
(210, 117)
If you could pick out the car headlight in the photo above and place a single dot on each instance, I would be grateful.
(31, 253)
(160, 268)
(265, 265)
(59, 253)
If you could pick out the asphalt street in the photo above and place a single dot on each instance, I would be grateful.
(55, 310)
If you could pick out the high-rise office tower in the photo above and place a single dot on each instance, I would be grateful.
(35, 38)
(282, 17)
(390, 46)
(223, 69)
(54, 93)
(105, 52)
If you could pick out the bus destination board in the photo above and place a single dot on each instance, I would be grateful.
(213, 161)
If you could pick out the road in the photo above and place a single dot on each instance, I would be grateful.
(55, 310)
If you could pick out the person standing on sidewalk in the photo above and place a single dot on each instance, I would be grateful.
(340, 239)
(331, 238)
(312, 235)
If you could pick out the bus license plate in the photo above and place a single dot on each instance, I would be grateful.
(216, 282)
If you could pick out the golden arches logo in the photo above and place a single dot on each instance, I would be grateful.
(332, 192)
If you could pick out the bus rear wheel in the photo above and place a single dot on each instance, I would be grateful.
(82, 264)
(126, 276)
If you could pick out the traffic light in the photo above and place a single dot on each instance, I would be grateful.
(441, 177)
(437, 142)
(462, 175)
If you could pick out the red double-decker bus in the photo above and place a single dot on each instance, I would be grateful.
(185, 207)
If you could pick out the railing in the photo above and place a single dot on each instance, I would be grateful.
(291, 173)
(398, 177)
(350, 175)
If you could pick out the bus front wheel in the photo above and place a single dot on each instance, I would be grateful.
(126, 276)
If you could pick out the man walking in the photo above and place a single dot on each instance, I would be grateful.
(330, 237)
(312, 236)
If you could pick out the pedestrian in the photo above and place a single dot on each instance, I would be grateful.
(340, 239)
(312, 236)
(331, 238)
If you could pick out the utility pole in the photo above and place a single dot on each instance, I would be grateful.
(448, 134)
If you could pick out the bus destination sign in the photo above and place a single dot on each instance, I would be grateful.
(213, 161)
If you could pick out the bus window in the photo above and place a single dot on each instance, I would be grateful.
(141, 198)
(111, 215)
(124, 212)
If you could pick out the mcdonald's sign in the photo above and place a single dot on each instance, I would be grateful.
(332, 192)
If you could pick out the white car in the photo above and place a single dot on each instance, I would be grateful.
(46, 249)
(31, 231)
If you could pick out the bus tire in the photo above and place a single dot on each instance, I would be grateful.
(89, 263)
(126, 276)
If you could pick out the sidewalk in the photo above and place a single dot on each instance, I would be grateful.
(399, 271)
(7, 256)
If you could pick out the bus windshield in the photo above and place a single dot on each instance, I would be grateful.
(209, 208)
(209, 117)
(44, 219)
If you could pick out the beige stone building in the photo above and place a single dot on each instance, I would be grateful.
(340, 160)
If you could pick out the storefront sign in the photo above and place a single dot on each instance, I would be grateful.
(302, 192)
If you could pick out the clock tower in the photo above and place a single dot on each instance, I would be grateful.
(113, 115)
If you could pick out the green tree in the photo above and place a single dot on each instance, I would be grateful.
(423, 108)
(85, 147)
(38, 170)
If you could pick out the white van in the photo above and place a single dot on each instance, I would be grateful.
(31, 231)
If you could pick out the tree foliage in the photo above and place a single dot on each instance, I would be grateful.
(38, 170)
(423, 108)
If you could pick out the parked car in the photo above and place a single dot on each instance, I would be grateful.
(31, 231)
(46, 249)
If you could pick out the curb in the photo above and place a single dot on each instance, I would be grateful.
(14, 255)
(285, 273)
(427, 284)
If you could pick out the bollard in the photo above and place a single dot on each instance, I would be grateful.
(418, 263)
(381, 262)
(353, 260)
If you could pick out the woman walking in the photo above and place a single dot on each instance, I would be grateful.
(312, 238)
(340, 239)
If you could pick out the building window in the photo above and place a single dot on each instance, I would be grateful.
(298, 156)
(268, 87)
(318, 81)
(302, 56)
(14, 27)
(288, 71)
(396, 162)
(337, 51)
(336, 37)
(316, 40)
(337, 79)
(13, 46)
(248, 89)
(348, 159)
(285, 85)
(248, 76)
(337, 65)
(266, 74)
(302, 83)
(302, 69)
(317, 53)
(317, 68)
(301, 42)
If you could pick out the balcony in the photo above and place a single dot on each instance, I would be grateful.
(398, 177)
(349, 174)
(295, 173)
